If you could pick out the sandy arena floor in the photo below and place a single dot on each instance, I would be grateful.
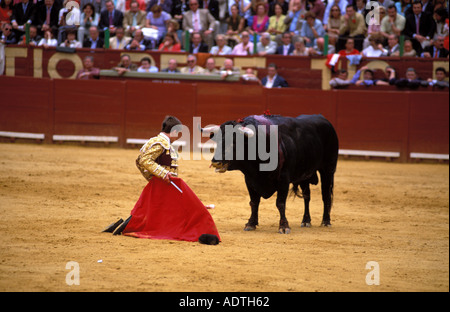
(55, 200)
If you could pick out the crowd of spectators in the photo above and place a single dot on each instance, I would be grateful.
(233, 27)
(239, 27)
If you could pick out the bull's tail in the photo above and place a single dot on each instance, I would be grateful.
(296, 191)
(314, 179)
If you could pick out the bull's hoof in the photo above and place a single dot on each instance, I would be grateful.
(326, 224)
(249, 227)
(305, 224)
(284, 230)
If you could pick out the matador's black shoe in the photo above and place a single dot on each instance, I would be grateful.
(122, 227)
(110, 228)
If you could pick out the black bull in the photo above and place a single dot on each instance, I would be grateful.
(306, 144)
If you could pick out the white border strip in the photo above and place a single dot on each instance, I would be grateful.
(22, 135)
(369, 153)
(429, 156)
(85, 138)
(207, 145)
(143, 141)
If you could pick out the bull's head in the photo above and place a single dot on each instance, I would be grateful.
(232, 141)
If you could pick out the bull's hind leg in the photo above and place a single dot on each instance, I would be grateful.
(281, 205)
(306, 192)
(327, 180)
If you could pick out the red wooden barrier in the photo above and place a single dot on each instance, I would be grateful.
(399, 122)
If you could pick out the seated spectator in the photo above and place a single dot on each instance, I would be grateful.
(342, 4)
(287, 47)
(273, 80)
(71, 41)
(157, 19)
(228, 68)
(375, 49)
(440, 82)
(192, 67)
(374, 27)
(199, 20)
(7, 36)
(6, 8)
(166, 5)
(245, 47)
(110, 18)
(47, 16)
(319, 47)
(393, 23)
(221, 48)
(333, 26)
(412, 81)
(88, 71)
(392, 46)
(88, 18)
(139, 43)
(236, 24)
(69, 18)
(172, 28)
(295, 18)
(368, 78)
(300, 49)
(125, 65)
(250, 75)
(284, 5)
(146, 66)
(260, 21)
(277, 25)
(48, 40)
(119, 41)
(244, 7)
(210, 67)
(419, 27)
(341, 80)
(311, 30)
(266, 46)
(172, 67)
(34, 38)
(19, 18)
(349, 48)
(407, 49)
(169, 44)
(93, 41)
(352, 26)
(436, 50)
(134, 19)
(440, 16)
(197, 44)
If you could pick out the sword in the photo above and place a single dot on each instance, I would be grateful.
(171, 182)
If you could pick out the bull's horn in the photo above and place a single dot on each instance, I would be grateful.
(247, 131)
(213, 129)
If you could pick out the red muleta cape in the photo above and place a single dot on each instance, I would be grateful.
(162, 212)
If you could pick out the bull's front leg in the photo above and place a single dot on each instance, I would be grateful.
(255, 199)
(281, 205)
(253, 221)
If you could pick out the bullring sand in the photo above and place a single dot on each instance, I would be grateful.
(55, 200)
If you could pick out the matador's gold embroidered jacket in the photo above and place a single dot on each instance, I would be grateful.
(157, 158)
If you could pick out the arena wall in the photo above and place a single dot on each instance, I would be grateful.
(400, 125)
